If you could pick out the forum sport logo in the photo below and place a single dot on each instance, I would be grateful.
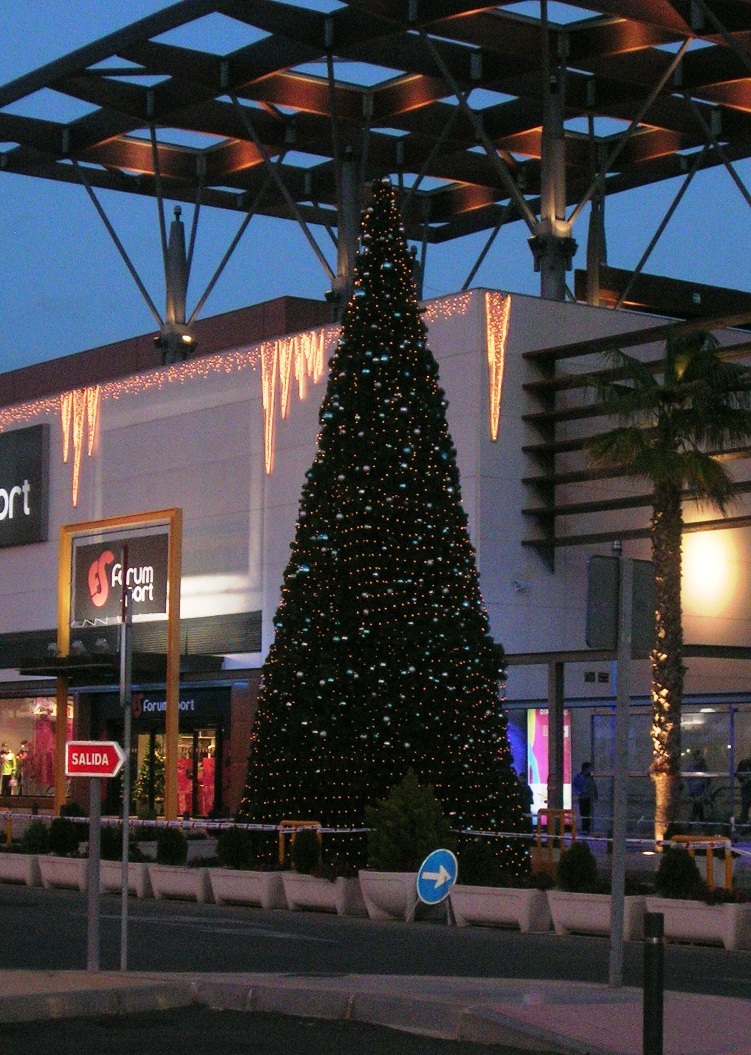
(139, 581)
(99, 587)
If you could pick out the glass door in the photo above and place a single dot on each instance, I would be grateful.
(148, 788)
(196, 773)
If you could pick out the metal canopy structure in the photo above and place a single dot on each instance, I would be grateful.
(484, 114)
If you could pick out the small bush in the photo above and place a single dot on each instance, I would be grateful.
(577, 869)
(111, 842)
(36, 839)
(478, 865)
(64, 837)
(405, 827)
(541, 881)
(171, 847)
(305, 852)
(678, 875)
(235, 848)
(72, 809)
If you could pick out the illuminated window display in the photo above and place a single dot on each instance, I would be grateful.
(27, 729)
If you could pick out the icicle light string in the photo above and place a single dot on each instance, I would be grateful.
(301, 356)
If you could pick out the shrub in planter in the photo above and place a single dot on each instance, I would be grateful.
(405, 827)
(577, 869)
(111, 842)
(305, 852)
(171, 847)
(64, 837)
(678, 875)
(478, 865)
(36, 839)
(235, 848)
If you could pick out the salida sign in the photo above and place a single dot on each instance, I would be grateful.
(93, 758)
(98, 576)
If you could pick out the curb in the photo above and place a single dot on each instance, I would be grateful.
(130, 1000)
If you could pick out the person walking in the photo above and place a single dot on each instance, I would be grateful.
(743, 775)
(525, 793)
(7, 768)
(698, 786)
(585, 788)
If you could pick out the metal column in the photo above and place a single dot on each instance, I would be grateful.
(555, 735)
(348, 211)
(551, 243)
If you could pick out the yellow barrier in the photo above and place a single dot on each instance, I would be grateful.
(557, 824)
(291, 828)
(701, 842)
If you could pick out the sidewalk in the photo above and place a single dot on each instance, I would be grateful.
(531, 1015)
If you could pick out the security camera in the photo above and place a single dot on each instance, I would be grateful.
(520, 586)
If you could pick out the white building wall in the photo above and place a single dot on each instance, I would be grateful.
(192, 436)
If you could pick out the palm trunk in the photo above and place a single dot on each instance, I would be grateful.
(667, 654)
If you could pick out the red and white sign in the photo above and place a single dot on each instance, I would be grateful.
(93, 758)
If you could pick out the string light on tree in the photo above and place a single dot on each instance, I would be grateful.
(382, 658)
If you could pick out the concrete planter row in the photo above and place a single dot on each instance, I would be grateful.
(392, 896)
(268, 890)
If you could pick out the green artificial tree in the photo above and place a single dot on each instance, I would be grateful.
(382, 658)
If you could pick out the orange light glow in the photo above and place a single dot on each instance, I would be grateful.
(77, 408)
(710, 572)
(497, 314)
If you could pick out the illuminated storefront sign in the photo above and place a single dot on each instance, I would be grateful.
(24, 476)
(538, 753)
(98, 575)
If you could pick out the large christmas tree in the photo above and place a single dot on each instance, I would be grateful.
(382, 658)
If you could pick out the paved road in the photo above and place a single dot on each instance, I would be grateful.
(47, 929)
(196, 1031)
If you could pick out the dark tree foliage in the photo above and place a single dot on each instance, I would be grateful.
(382, 659)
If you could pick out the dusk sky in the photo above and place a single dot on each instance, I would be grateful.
(65, 287)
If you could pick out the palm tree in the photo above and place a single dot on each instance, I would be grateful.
(673, 422)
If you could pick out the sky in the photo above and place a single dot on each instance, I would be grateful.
(65, 287)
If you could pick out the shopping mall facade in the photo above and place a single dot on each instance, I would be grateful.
(190, 475)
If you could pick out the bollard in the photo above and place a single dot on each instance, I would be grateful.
(654, 928)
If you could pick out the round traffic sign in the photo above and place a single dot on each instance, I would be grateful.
(436, 876)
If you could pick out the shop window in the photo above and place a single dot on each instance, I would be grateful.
(27, 745)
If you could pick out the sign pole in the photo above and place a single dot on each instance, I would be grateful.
(125, 704)
(620, 784)
(95, 828)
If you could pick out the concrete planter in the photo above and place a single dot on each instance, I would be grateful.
(728, 925)
(575, 913)
(389, 895)
(20, 868)
(487, 906)
(232, 886)
(306, 892)
(181, 882)
(71, 873)
(111, 878)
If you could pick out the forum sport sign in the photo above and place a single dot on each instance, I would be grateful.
(24, 475)
(98, 573)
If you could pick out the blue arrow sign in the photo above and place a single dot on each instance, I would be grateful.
(436, 876)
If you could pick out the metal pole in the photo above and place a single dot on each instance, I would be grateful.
(555, 735)
(125, 704)
(95, 827)
(654, 927)
(620, 783)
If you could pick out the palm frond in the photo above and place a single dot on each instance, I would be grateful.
(709, 482)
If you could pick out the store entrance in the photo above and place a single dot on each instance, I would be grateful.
(198, 779)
